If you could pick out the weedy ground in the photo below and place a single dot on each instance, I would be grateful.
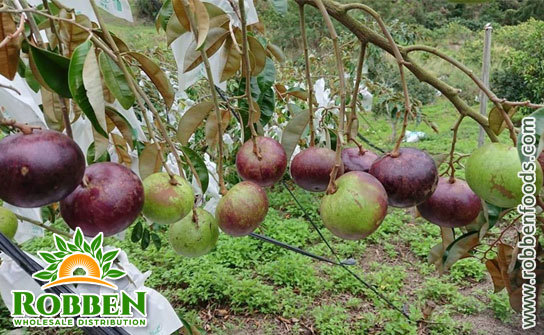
(245, 286)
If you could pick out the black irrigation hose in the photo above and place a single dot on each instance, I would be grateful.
(30, 266)
(340, 263)
(367, 141)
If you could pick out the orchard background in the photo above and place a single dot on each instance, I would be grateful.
(245, 285)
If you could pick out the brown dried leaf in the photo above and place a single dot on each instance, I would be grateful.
(71, 35)
(157, 76)
(150, 160)
(193, 58)
(192, 119)
(493, 267)
(9, 54)
(259, 55)
(52, 110)
(212, 137)
(233, 62)
(115, 120)
(121, 149)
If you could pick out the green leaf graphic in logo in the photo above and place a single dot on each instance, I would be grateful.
(92, 265)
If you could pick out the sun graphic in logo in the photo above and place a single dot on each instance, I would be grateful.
(79, 262)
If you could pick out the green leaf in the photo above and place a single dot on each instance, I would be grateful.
(156, 241)
(52, 267)
(164, 14)
(294, 129)
(60, 254)
(53, 69)
(105, 269)
(110, 255)
(493, 213)
(60, 243)
(280, 6)
(78, 238)
(77, 87)
(116, 81)
(72, 247)
(199, 165)
(43, 275)
(460, 248)
(99, 255)
(48, 257)
(97, 242)
(87, 247)
(145, 239)
(115, 274)
(137, 232)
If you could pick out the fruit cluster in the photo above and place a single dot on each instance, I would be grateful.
(46, 166)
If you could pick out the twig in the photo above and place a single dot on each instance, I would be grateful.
(209, 74)
(21, 5)
(23, 127)
(54, 31)
(44, 226)
(353, 107)
(16, 33)
(455, 128)
(400, 62)
(331, 188)
(246, 69)
(496, 101)
(10, 88)
(307, 70)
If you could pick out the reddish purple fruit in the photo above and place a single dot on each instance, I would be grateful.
(39, 168)
(311, 168)
(354, 160)
(409, 178)
(452, 205)
(108, 200)
(242, 209)
(265, 171)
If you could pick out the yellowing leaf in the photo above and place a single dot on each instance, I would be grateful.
(192, 118)
(275, 51)
(202, 21)
(294, 129)
(101, 144)
(9, 54)
(150, 160)
(496, 119)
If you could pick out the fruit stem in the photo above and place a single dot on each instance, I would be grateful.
(342, 92)
(194, 27)
(359, 145)
(451, 167)
(23, 127)
(400, 61)
(308, 74)
(195, 217)
(353, 107)
(246, 70)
